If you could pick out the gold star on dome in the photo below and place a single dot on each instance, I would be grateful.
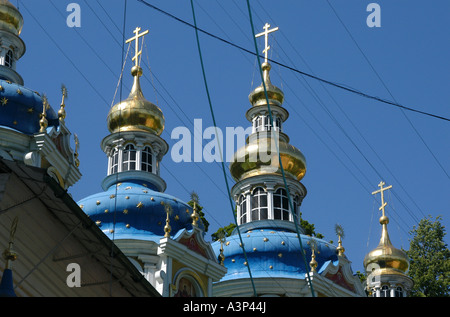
(4, 101)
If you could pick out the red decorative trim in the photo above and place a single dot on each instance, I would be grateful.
(340, 280)
(192, 244)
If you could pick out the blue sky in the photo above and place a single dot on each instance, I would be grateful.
(349, 141)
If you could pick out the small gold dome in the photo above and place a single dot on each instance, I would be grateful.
(256, 158)
(11, 19)
(258, 96)
(136, 113)
(385, 258)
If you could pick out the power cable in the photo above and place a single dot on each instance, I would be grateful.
(166, 101)
(223, 165)
(65, 55)
(387, 89)
(348, 89)
(318, 99)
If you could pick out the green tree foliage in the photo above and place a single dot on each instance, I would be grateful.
(310, 230)
(201, 213)
(429, 260)
(223, 232)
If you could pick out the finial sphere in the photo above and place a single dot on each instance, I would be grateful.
(136, 71)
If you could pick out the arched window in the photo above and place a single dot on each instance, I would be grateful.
(146, 160)
(187, 286)
(258, 124)
(267, 125)
(9, 59)
(259, 204)
(243, 209)
(399, 292)
(278, 124)
(281, 204)
(262, 123)
(129, 158)
(114, 162)
(296, 203)
(384, 291)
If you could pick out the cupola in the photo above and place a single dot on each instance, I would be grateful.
(386, 266)
(12, 48)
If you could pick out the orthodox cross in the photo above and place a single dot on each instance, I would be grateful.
(136, 38)
(381, 190)
(266, 38)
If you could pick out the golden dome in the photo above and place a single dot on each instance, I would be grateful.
(136, 113)
(256, 158)
(258, 97)
(385, 258)
(11, 19)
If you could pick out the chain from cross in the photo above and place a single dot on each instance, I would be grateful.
(136, 38)
(266, 33)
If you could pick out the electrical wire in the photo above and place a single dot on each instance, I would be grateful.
(223, 165)
(65, 55)
(387, 89)
(328, 112)
(328, 82)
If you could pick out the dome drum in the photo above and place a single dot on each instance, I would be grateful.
(278, 111)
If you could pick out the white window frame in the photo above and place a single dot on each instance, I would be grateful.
(148, 164)
(257, 210)
(114, 161)
(127, 161)
(281, 195)
(243, 214)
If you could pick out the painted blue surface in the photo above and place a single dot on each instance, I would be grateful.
(145, 223)
(22, 111)
(272, 253)
(6, 285)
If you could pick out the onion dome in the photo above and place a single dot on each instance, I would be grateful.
(273, 254)
(132, 210)
(259, 156)
(11, 19)
(385, 258)
(136, 113)
(258, 97)
(21, 108)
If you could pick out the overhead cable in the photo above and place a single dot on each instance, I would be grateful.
(346, 88)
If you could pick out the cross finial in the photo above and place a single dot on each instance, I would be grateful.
(43, 122)
(381, 190)
(136, 38)
(266, 39)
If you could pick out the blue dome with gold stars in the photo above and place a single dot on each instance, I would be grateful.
(131, 210)
(21, 108)
(273, 254)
